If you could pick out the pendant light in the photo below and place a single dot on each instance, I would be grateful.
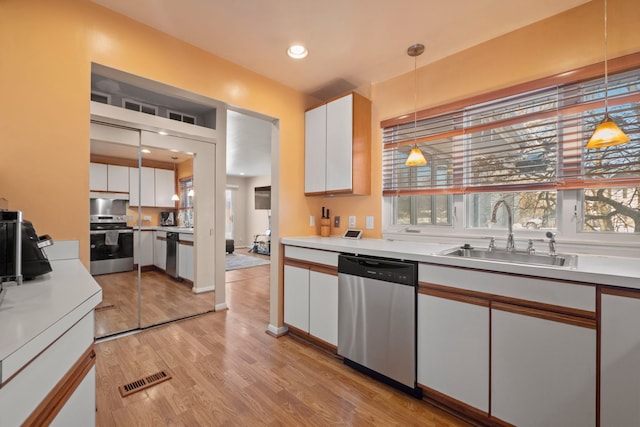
(607, 133)
(415, 158)
(175, 197)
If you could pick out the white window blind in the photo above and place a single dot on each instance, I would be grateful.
(529, 141)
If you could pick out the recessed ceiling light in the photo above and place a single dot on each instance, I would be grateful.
(162, 132)
(297, 51)
(241, 173)
(146, 151)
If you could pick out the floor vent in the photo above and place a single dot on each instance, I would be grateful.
(105, 307)
(142, 383)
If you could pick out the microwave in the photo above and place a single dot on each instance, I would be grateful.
(21, 254)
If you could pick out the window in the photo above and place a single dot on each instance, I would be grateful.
(186, 199)
(526, 149)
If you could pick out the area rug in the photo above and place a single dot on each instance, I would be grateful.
(236, 261)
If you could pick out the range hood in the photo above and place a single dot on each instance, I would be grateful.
(108, 195)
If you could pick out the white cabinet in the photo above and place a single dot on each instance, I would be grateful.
(296, 297)
(323, 306)
(338, 147)
(160, 249)
(185, 261)
(453, 347)
(543, 368)
(311, 301)
(103, 177)
(165, 188)
(619, 358)
(98, 177)
(155, 189)
(143, 247)
(118, 178)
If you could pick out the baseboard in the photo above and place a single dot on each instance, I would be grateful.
(205, 289)
(221, 307)
(277, 331)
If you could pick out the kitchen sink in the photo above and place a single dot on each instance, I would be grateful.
(518, 257)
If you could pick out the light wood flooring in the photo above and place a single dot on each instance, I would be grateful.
(162, 299)
(227, 371)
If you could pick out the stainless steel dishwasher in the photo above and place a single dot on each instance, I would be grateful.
(377, 301)
(171, 266)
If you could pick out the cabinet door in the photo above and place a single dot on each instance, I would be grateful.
(147, 187)
(98, 177)
(165, 186)
(619, 359)
(160, 250)
(296, 297)
(80, 409)
(118, 178)
(146, 248)
(453, 347)
(185, 261)
(315, 154)
(543, 371)
(323, 306)
(339, 168)
(134, 187)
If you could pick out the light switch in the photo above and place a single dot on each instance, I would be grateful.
(369, 222)
(352, 221)
(336, 221)
(312, 221)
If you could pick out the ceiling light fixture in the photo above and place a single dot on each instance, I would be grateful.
(297, 51)
(175, 197)
(416, 157)
(146, 151)
(607, 133)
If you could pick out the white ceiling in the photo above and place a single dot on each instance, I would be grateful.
(350, 42)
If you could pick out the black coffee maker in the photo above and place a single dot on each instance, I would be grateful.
(21, 254)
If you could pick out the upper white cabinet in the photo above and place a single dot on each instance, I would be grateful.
(338, 147)
(98, 177)
(118, 178)
(165, 188)
(155, 189)
(103, 177)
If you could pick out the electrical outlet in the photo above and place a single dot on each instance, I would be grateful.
(146, 217)
(369, 222)
(312, 221)
(336, 221)
(352, 221)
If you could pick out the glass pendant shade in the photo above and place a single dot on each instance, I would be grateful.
(607, 134)
(415, 158)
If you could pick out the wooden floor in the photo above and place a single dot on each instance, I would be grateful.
(227, 371)
(162, 299)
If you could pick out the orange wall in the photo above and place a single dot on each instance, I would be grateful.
(47, 50)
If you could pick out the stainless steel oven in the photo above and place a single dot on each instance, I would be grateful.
(111, 244)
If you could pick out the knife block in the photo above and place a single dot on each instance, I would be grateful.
(325, 227)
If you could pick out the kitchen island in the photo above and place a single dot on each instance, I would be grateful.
(47, 372)
(501, 343)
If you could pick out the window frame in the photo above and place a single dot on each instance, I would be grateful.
(568, 222)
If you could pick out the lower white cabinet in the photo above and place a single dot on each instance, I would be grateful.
(143, 247)
(453, 347)
(185, 261)
(311, 302)
(543, 370)
(620, 359)
(160, 249)
(296, 297)
(323, 306)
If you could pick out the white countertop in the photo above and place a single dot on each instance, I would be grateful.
(37, 312)
(604, 270)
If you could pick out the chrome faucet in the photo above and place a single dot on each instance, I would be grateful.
(552, 242)
(511, 246)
